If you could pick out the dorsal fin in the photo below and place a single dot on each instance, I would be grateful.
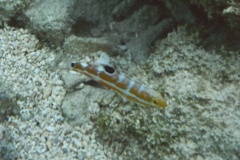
(103, 59)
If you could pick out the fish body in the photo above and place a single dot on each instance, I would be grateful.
(110, 78)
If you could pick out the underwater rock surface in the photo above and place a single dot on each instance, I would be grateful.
(125, 23)
(188, 51)
(202, 89)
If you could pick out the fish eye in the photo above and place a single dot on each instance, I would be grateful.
(109, 69)
(73, 64)
(154, 101)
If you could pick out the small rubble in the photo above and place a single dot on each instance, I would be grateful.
(39, 130)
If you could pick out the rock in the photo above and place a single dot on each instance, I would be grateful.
(85, 46)
(8, 8)
(50, 19)
(75, 106)
(47, 91)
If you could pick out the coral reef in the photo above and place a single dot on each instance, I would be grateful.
(202, 90)
(53, 21)
(229, 10)
(124, 23)
(232, 16)
(49, 113)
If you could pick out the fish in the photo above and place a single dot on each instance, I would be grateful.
(109, 77)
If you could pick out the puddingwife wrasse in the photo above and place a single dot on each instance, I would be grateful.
(110, 78)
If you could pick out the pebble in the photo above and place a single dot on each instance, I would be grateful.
(47, 91)
(77, 142)
(37, 71)
(39, 79)
(50, 129)
(41, 148)
(67, 129)
(85, 144)
(58, 82)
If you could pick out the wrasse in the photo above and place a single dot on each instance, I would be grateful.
(110, 78)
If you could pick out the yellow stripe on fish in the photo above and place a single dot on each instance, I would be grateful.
(110, 78)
